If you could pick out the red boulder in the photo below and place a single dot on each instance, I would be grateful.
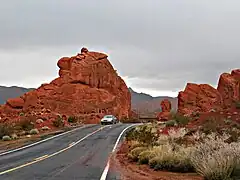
(166, 110)
(17, 103)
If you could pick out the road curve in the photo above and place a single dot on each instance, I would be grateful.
(82, 154)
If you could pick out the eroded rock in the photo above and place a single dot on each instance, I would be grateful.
(87, 86)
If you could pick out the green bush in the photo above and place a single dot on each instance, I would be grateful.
(72, 119)
(144, 134)
(6, 138)
(26, 124)
(34, 131)
(166, 157)
(170, 123)
(180, 119)
(133, 155)
(145, 156)
(210, 125)
(58, 122)
(21, 114)
(6, 130)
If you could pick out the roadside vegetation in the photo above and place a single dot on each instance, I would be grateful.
(28, 126)
(210, 151)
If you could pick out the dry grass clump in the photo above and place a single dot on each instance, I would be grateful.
(163, 157)
(214, 156)
(215, 159)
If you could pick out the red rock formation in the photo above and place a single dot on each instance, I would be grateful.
(15, 103)
(88, 85)
(166, 109)
(229, 88)
(204, 98)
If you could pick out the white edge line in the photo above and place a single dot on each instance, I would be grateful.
(38, 142)
(105, 172)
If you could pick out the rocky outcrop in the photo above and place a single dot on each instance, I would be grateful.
(229, 88)
(166, 107)
(205, 98)
(15, 103)
(87, 85)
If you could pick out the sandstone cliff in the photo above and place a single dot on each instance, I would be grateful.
(87, 85)
(204, 98)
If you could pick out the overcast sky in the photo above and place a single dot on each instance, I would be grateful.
(157, 46)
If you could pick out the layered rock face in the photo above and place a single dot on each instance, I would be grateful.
(229, 88)
(166, 109)
(87, 85)
(204, 98)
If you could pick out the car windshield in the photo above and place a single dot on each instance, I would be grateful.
(108, 116)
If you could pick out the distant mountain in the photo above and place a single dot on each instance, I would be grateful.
(146, 104)
(11, 92)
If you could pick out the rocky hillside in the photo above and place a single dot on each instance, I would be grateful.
(87, 85)
(205, 98)
(145, 103)
(11, 92)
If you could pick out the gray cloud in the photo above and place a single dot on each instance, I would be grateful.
(155, 44)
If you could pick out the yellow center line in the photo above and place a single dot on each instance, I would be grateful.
(51, 155)
(42, 157)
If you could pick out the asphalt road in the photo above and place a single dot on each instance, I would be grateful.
(81, 154)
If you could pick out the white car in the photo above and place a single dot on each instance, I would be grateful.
(109, 119)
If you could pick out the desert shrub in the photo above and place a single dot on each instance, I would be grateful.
(163, 139)
(34, 131)
(72, 119)
(166, 157)
(177, 133)
(177, 136)
(135, 144)
(170, 123)
(234, 135)
(144, 134)
(21, 114)
(210, 125)
(58, 122)
(6, 130)
(227, 121)
(145, 156)
(133, 155)
(238, 105)
(215, 159)
(6, 138)
(14, 136)
(180, 119)
(236, 125)
(196, 114)
(25, 124)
